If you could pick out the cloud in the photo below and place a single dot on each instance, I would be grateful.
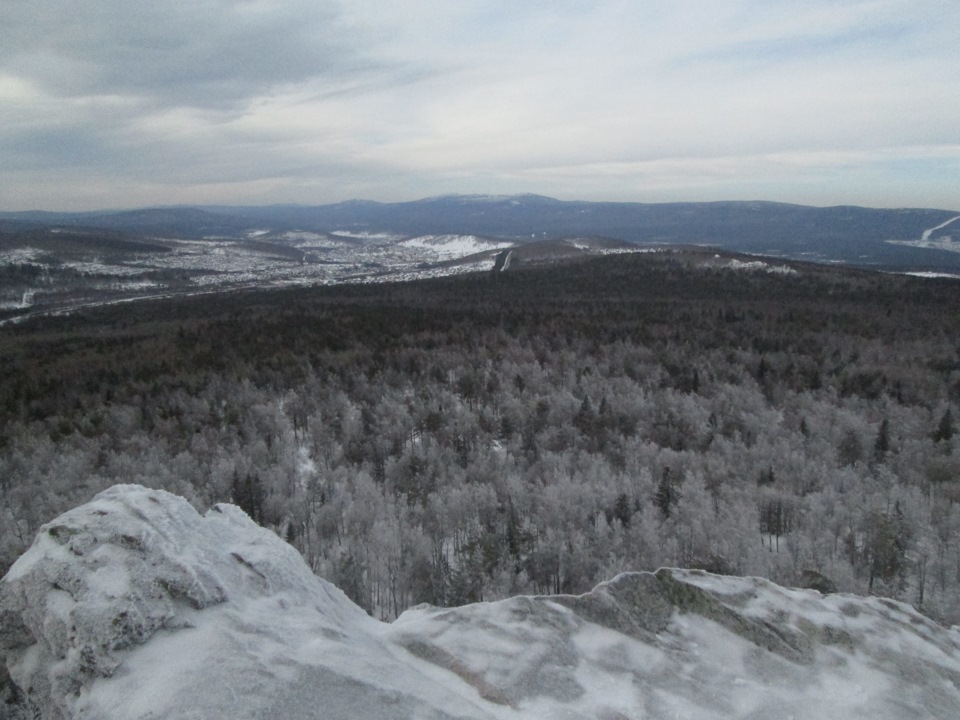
(204, 53)
(884, 176)
(316, 101)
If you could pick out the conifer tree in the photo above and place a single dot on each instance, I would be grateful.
(667, 494)
(944, 431)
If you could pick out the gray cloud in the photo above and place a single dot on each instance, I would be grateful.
(113, 102)
(200, 54)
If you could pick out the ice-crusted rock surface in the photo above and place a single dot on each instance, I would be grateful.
(135, 606)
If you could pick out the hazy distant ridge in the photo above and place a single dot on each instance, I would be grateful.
(847, 234)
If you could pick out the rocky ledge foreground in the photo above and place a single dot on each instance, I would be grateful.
(135, 606)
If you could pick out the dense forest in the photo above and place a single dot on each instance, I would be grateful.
(532, 431)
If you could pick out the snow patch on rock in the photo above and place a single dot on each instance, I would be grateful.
(108, 576)
(135, 606)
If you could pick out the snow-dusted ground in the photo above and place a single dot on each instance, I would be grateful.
(759, 265)
(928, 233)
(269, 260)
(262, 259)
(226, 262)
(453, 246)
(952, 276)
(365, 235)
(600, 248)
(135, 606)
(927, 240)
(15, 256)
(275, 259)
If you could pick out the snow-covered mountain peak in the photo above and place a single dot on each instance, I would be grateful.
(136, 606)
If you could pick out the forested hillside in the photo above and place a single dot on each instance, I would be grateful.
(532, 431)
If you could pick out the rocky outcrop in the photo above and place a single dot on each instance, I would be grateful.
(136, 606)
(105, 578)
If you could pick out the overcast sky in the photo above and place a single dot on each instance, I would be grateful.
(117, 103)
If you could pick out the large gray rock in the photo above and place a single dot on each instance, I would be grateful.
(134, 606)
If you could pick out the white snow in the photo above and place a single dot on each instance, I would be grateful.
(134, 606)
(927, 233)
(26, 300)
(453, 246)
(597, 247)
(929, 242)
(929, 274)
(759, 265)
(19, 255)
(364, 235)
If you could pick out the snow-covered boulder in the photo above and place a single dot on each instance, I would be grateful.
(135, 606)
(105, 578)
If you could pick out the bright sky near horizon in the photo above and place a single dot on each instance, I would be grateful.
(113, 104)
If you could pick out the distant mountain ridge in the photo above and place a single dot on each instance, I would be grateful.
(181, 222)
(847, 234)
